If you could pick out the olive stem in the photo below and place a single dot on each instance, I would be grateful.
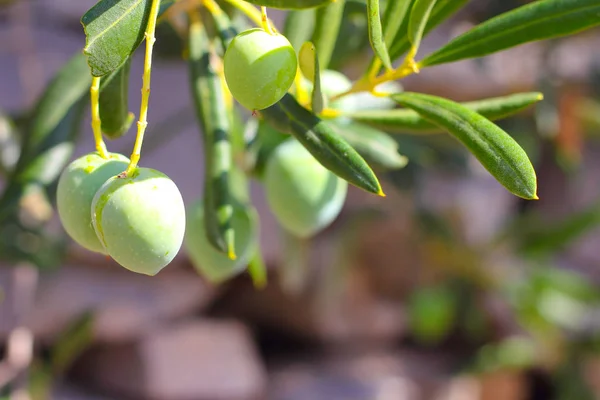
(265, 21)
(143, 123)
(251, 12)
(96, 123)
(368, 84)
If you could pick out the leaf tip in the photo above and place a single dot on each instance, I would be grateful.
(231, 253)
(380, 193)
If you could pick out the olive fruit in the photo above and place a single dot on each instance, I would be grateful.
(303, 195)
(214, 265)
(259, 68)
(140, 220)
(77, 186)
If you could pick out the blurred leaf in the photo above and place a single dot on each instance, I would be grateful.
(10, 144)
(353, 39)
(536, 237)
(299, 26)
(291, 4)
(267, 140)
(542, 19)
(327, 26)
(309, 65)
(72, 342)
(408, 121)
(495, 149)
(431, 313)
(376, 147)
(47, 147)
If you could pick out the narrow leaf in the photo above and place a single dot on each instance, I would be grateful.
(417, 22)
(114, 29)
(309, 65)
(333, 152)
(211, 110)
(376, 147)
(539, 20)
(113, 103)
(497, 151)
(404, 121)
(291, 4)
(299, 26)
(327, 26)
(376, 37)
(441, 12)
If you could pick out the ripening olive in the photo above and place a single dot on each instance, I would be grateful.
(303, 195)
(259, 68)
(77, 186)
(214, 265)
(140, 220)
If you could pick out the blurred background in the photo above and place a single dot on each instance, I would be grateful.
(450, 288)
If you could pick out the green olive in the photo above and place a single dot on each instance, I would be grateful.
(214, 265)
(77, 186)
(140, 220)
(303, 195)
(259, 68)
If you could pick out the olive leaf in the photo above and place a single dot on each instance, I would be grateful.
(419, 15)
(375, 146)
(408, 121)
(497, 151)
(309, 65)
(114, 29)
(115, 117)
(539, 20)
(441, 12)
(299, 25)
(291, 4)
(327, 27)
(376, 37)
(331, 150)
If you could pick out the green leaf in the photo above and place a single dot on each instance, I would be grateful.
(441, 12)
(327, 26)
(309, 65)
(211, 110)
(225, 28)
(257, 269)
(299, 26)
(291, 4)
(376, 147)
(497, 151)
(48, 143)
(539, 20)
(376, 37)
(115, 117)
(114, 29)
(333, 152)
(419, 15)
(407, 121)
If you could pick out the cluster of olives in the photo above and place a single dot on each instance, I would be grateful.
(139, 219)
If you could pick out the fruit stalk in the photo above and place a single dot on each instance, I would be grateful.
(142, 122)
(96, 123)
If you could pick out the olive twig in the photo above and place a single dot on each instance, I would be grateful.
(96, 123)
(143, 123)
